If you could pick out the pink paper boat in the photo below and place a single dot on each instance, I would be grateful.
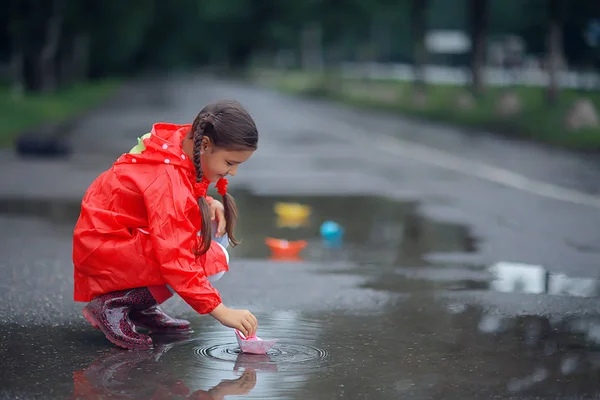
(254, 344)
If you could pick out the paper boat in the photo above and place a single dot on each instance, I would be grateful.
(282, 249)
(291, 215)
(253, 344)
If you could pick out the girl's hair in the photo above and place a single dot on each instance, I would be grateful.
(229, 126)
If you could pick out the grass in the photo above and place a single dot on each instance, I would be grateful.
(536, 120)
(32, 110)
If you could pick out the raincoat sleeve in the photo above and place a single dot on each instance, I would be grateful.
(169, 205)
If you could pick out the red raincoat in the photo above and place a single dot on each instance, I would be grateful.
(139, 224)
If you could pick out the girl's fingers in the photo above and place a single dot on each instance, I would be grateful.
(248, 328)
(242, 329)
(254, 322)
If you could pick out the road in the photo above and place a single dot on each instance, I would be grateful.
(468, 270)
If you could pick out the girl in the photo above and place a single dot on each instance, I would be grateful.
(144, 230)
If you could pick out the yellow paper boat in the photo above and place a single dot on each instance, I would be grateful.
(291, 214)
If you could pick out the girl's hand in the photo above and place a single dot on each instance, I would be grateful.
(242, 320)
(218, 211)
(235, 387)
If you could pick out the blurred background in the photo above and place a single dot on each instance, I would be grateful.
(469, 265)
(497, 64)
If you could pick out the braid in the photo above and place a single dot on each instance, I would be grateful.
(198, 132)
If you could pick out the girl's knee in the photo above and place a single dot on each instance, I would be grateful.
(218, 275)
(215, 277)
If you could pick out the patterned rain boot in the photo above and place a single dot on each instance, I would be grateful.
(154, 318)
(110, 314)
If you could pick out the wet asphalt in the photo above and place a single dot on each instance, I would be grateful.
(446, 286)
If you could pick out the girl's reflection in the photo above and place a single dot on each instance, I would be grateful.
(139, 375)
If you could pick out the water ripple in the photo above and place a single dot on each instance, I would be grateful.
(294, 352)
(214, 356)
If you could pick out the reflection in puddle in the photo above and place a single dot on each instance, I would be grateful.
(424, 351)
(140, 375)
(524, 278)
(501, 277)
(376, 230)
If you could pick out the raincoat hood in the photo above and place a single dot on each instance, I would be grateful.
(162, 145)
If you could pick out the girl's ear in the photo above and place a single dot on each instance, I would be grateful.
(206, 143)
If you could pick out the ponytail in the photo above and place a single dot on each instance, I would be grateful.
(231, 211)
(200, 187)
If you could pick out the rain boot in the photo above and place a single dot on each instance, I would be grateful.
(110, 313)
(153, 317)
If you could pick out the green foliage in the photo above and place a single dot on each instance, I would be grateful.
(133, 36)
(536, 121)
(20, 114)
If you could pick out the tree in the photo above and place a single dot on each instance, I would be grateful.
(418, 12)
(478, 21)
(554, 47)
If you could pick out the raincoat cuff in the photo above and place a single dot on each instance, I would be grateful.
(210, 308)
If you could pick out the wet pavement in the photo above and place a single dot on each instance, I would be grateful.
(445, 287)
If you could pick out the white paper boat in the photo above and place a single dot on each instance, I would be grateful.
(254, 344)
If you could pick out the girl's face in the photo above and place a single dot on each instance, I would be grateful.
(219, 162)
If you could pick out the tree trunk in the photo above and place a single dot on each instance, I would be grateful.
(312, 47)
(418, 13)
(16, 72)
(554, 43)
(478, 20)
(80, 56)
(17, 50)
(48, 71)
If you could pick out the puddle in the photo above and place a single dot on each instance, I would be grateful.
(377, 230)
(80, 362)
(422, 348)
(503, 277)
(535, 279)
